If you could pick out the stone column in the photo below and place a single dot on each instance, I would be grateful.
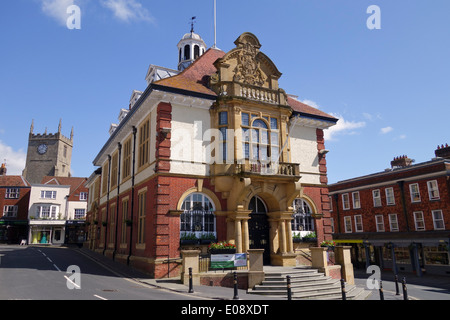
(290, 242)
(238, 236)
(283, 236)
(245, 236)
(282, 239)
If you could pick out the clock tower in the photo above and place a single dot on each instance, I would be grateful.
(48, 155)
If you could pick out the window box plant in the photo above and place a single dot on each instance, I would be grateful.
(297, 238)
(222, 247)
(188, 239)
(312, 237)
(207, 238)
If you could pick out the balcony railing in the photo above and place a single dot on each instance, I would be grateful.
(272, 168)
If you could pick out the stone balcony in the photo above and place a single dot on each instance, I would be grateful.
(279, 170)
(255, 93)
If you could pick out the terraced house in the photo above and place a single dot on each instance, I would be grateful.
(212, 150)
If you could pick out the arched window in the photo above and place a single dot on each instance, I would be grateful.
(260, 142)
(198, 215)
(196, 52)
(187, 52)
(302, 218)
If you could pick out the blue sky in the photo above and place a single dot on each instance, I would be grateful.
(389, 86)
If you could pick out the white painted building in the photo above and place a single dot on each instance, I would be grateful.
(53, 206)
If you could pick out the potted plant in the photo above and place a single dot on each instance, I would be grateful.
(222, 247)
(207, 238)
(329, 244)
(188, 238)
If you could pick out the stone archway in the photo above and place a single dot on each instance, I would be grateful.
(277, 220)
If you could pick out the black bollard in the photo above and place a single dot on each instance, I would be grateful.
(289, 291)
(405, 291)
(191, 287)
(236, 296)
(344, 295)
(397, 291)
(381, 291)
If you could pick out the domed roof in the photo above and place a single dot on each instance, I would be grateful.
(192, 35)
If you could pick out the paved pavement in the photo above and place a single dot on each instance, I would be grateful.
(172, 284)
(428, 287)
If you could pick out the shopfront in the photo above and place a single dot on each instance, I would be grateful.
(47, 232)
(75, 232)
(417, 256)
(13, 231)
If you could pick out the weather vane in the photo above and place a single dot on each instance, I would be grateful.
(192, 23)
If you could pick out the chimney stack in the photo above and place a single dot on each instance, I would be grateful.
(443, 151)
(3, 169)
(401, 162)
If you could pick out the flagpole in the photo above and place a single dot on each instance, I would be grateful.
(215, 25)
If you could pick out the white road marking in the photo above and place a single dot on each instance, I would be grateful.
(100, 297)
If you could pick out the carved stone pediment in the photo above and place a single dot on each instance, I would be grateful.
(247, 72)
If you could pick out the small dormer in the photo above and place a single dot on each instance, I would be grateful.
(156, 73)
(123, 113)
(112, 128)
(134, 98)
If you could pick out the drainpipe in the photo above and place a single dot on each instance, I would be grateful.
(117, 203)
(401, 185)
(336, 198)
(132, 194)
(107, 205)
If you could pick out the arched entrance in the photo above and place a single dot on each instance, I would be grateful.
(258, 227)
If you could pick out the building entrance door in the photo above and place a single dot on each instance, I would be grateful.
(258, 228)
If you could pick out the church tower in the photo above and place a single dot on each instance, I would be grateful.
(190, 47)
(48, 155)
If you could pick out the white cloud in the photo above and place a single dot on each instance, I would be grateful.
(343, 127)
(15, 160)
(57, 9)
(127, 10)
(386, 130)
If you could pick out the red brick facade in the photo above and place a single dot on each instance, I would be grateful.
(404, 207)
(14, 228)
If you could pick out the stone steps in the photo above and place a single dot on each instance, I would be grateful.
(306, 283)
